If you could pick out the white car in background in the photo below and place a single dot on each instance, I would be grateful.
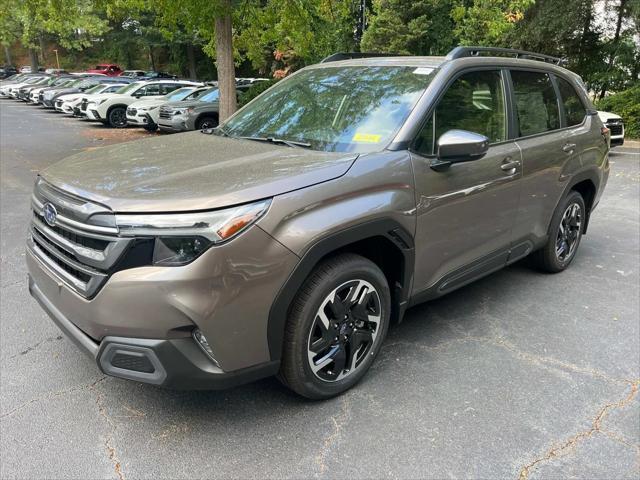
(7, 89)
(111, 109)
(144, 113)
(70, 103)
(615, 124)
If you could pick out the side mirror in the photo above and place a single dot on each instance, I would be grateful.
(455, 146)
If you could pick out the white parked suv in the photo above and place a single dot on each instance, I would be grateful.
(111, 109)
(144, 113)
(614, 123)
(70, 103)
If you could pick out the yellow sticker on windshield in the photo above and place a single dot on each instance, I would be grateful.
(367, 137)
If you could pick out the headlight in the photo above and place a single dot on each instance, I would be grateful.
(102, 101)
(181, 238)
(153, 108)
(71, 99)
(182, 111)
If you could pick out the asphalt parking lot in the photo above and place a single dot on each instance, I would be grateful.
(522, 375)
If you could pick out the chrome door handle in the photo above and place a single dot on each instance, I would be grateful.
(508, 165)
(569, 147)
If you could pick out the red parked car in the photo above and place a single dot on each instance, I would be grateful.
(109, 69)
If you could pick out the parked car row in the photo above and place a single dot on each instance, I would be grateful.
(170, 105)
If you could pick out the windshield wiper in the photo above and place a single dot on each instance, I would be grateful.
(288, 143)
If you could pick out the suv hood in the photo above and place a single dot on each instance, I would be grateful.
(606, 116)
(192, 171)
(187, 104)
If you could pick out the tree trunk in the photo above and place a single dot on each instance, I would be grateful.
(7, 55)
(224, 62)
(152, 62)
(43, 53)
(614, 43)
(191, 59)
(33, 57)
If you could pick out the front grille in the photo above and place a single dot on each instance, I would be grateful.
(40, 97)
(616, 129)
(83, 105)
(165, 112)
(81, 246)
(132, 111)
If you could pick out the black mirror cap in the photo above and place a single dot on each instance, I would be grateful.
(461, 146)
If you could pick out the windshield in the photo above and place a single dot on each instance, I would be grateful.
(210, 96)
(95, 89)
(342, 109)
(179, 94)
(129, 88)
(198, 93)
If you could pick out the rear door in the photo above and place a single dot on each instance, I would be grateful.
(465, 214)
(549, 153)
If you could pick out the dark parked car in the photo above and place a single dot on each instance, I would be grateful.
(287, 240)
(7, 71)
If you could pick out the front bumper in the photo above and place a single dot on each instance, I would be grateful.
(177, 123)
(226, 293)
(173, 363)
(93, 114)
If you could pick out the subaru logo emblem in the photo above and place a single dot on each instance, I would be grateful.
(50, 213)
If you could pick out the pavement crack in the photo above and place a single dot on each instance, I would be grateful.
(338, 422)
(35, 346)
(49, 395)
(112, 454)
(568, 445)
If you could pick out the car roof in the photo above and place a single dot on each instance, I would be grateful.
(439, 62)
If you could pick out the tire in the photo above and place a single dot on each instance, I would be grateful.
(117, 117)
(347, 338)
(206, 122)
(565, 233)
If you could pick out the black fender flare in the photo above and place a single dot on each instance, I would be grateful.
(385, 227)
(591, 175)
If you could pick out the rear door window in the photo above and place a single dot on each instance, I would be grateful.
(574, 110)
(536, 103)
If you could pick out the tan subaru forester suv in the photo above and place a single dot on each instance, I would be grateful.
(286, 240)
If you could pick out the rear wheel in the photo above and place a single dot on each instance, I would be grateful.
(117, 117)
(565, 234)
(336, 326)
(205, 123)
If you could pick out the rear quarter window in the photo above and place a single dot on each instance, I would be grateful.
(574, 109)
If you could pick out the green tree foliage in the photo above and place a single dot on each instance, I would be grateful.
(627, 105)
(307, 30)
(487, 22)
(412, 27)
(433, 27)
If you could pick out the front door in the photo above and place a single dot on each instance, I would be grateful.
(466, 213)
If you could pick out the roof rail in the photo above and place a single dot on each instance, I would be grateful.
(461, 52)
(336, 57)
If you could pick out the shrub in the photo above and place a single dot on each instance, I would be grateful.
(254, 90)
(627, 105)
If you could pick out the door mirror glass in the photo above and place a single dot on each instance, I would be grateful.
(461, 146)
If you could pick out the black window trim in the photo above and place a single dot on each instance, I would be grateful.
(430, 112)
(563, 112)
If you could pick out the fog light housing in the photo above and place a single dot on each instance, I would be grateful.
(201, 340)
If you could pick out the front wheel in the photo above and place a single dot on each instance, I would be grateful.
(117, 117)
(206, 123)
(565, 234)
(336, 326)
